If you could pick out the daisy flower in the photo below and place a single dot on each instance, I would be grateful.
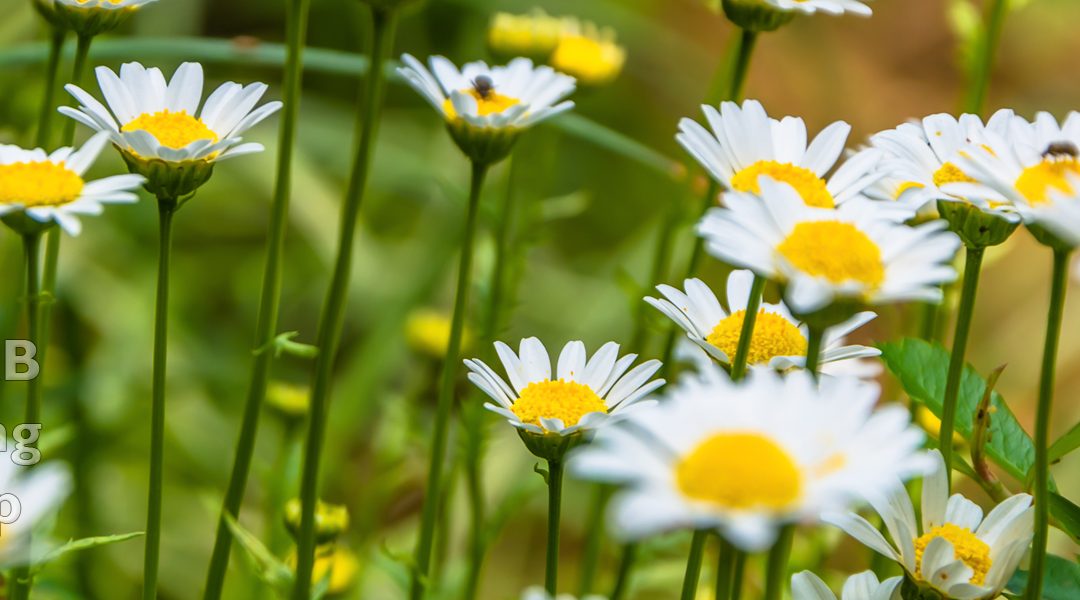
(822, 256)
(91, 17)
(588, 53)
(30, 496)
(745, 144)
(539, 593)
(953, 549)
(779, 339)
(747, 457)
(50, 188)
(582, 396)
(863, 586)
(1035, 166)
(829, 7)
(534, 34)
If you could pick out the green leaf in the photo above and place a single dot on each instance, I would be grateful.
(922, 368)
(78, 545)
(1065, 444)
(1066, 516)
(1061, 581)
(269, 568)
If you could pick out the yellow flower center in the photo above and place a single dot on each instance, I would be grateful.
(590, 60)
(532, 34)
(974, 552)
(172, 129)
(41, 183)
(567, 401)
(1052, 173)
(489, 103)
(833, 250)
(811, 187)
(773, 336)
(739, 471)
(950, 173)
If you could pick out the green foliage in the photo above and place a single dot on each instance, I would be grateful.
(1065, 444)
(79, 545)
(1061, 581)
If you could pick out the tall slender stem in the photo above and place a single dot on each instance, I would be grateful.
(984, 58)
(270, 298)
(693, 565)
(555, 481)
(814, 345)
(972, 267)
(776, 566)
(166, 209)
(738, 571)
(746, 334)
(590, 555)
(446, 392)
(725, 570)
(1042, 425)
(78, 71)
(333, 313)
(626, 567)
(48, 99)
(747, 40)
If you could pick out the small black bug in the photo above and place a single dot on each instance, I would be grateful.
(1061, 149)
(484, 86)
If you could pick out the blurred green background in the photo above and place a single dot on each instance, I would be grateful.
(588, 221)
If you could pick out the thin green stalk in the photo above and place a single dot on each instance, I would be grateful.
(590, 555)
(744, 51)
(814, 345)
(270, 299)
(725, 570)
(1059, 284)
(972, 267)
(928, 320)
(776, 577)
(693, 565)
(984, 59)
(626, 567)
(48, 99)
(22, 580)
(332, 318)
(446, 393)
(166, 210)
(746, 335)
(78, 71)
(555, 481)
(739, 571)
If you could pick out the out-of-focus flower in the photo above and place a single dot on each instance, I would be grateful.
(955, 551)
(767, 15)
(332, 561)
(331, 520)
(534, 34)
(589, 53)
(779, 339)
(428, 332)
(91, 17)
(39, 189)
(289, 400)
(539, 593)
(747, 457)
(37, 494)
(863, 586)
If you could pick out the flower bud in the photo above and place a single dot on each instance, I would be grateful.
(331, 520)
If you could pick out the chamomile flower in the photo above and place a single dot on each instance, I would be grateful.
(583, 395)
(779, 339)
(829, 7)
(745, 144)
(748, 457)
(93, 17)
(534, 34)
(485, 108)
(539, 593)
(588, 53)
(822, 256)
(159, 125)
(1035, 166)
(50, 188)
(953, 549)
(29, 498)
(863, 586)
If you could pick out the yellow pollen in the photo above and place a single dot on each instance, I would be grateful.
(974, 552)
(172, 129)
(950, 173)
(567, 401)
(592, 61)
(739, 471)
(773, 336)
(811, 187)
(41, 183)
(492, 103)
(1036, 182)
(907, 185)
(836, 251)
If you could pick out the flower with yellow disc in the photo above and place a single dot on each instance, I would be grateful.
(748, 457)
(588, 53)
(91, 17)
(779, 339)
(534, 34)
(862, 586)
(953, 549)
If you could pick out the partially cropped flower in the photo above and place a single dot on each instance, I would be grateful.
(333, 562)
(863, 586)
(93, 17)
(767, 15)
(39, 189)
(745, 144)
(539, 593)
(288, 400)
(428, 332)
(583, 394)
(779, 339)
(831, 7)
(331, 520)
(29, 497)
(588, 53)
(485, 108)
(534, 34)
(747, 457)
(160, 129)
(824, 256)
(1035, 166)
(953, 549)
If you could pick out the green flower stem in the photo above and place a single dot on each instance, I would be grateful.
(270, 299)
(746, 335)
(332, 318)
(725, 570)
(555, 481)
(984, 59)
(814, 345)
(48, 99)
(776, 578)
(738, 571)
(693, 564)
(745, 49)
(1042, 424)
(929, 315)
(446, 393)
(590, 555)
(166, 210)
(78, 71)
(22, 581)
(626, 567)
(972, 267)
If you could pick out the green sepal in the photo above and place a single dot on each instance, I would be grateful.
(756, 15)
(169, 180)
(90, 22)
(1051, 240)
(551, 446)
(483, 145)
(919, 590)
(976, 228)
(22, 224)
